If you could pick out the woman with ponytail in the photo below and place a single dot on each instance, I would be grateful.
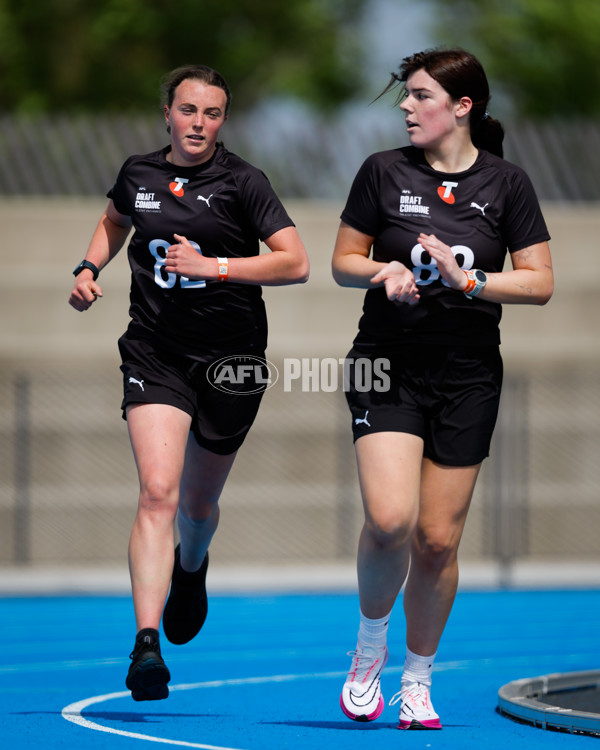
(425, 231)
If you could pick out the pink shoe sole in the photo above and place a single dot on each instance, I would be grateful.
(364, 717)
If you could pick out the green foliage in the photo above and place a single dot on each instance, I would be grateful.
(110, 55)
(544, 53)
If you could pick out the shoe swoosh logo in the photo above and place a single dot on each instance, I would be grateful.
(365, 698)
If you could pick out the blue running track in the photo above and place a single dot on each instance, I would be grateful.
(267, 670)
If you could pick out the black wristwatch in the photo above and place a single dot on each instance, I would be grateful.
(86, 264)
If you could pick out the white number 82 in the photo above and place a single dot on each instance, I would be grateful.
(168, 280)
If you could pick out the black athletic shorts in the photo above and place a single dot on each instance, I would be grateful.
(448, 397)
(222, 411)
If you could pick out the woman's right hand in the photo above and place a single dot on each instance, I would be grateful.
(85, 292)
(399, 282)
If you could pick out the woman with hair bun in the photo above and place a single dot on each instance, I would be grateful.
(425, 231)
(199, 213)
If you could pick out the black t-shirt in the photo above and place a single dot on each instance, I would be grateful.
(481, 213)
(224, 207)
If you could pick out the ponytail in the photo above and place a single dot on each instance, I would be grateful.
(461, 74)
(487, 134)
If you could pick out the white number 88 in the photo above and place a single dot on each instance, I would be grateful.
(428, 272)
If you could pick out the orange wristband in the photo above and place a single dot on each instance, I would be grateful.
(471, 284)
(223, 268)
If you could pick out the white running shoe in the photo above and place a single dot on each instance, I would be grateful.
(416, 711)
(361, 698)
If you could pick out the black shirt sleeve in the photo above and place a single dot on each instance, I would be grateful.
(261, 206)
(523, 224)
(117, 193)
(362, 207)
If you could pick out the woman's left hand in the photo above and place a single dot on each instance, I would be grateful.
(184, 260)
(449, 269)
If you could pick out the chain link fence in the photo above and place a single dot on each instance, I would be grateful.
(80, 155)
(68, 485)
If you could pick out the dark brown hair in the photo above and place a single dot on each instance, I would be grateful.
(461, 74)
(200, 72)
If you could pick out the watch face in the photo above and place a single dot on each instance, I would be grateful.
(480, 276)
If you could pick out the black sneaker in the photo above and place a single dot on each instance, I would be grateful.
(148, 674)
(187, 605)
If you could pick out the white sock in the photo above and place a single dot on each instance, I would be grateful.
(417, 668)
(373, 632)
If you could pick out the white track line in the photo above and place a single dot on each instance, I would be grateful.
(73, 711)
